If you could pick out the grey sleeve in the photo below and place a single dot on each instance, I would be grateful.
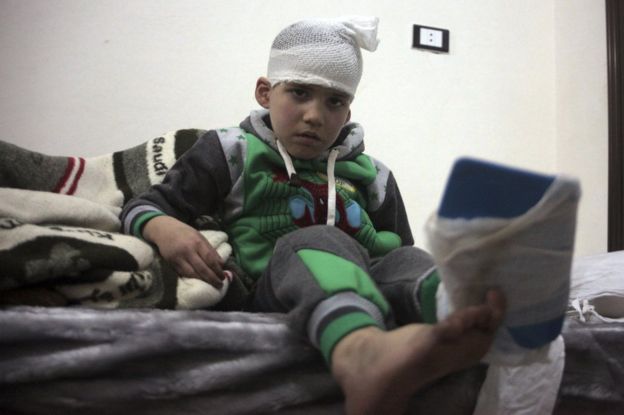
(196, 184)
(391, 215)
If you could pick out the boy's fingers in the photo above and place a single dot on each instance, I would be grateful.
(184, 269)
(206, 273)
(213, 280)
(213, 260)
(197, 269)
(496, 301)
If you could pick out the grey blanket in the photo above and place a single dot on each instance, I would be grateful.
(74, 360)
(70, 360)
(66, 361)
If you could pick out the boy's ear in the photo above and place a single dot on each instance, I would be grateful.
(263, 92)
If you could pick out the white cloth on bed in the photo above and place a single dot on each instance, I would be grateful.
(523, 390)
(597, 288)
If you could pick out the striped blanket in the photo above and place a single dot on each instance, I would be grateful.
(60, 240)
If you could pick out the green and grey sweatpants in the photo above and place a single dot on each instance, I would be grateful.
(328, 285)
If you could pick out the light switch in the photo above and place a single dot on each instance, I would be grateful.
(431, 38)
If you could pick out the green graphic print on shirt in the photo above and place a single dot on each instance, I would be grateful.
(273, 207)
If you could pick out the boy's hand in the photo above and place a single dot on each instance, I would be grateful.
(185, 249)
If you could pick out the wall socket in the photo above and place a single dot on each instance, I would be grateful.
(431, 38)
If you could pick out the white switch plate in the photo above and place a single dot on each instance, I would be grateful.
(431, 38)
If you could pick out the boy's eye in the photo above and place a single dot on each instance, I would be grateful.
(298, 92)
(337, 102)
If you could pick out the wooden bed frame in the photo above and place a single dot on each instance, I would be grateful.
(615, 57)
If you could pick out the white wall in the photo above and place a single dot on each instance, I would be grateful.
(89, 77)
(582, 117)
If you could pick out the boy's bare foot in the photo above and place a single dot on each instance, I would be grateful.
(379, 371)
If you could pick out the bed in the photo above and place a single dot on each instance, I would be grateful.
(92, 321)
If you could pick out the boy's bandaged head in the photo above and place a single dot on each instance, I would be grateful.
(323, 52)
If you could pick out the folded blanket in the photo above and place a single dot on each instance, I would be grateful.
(59, 229)
(110, 179)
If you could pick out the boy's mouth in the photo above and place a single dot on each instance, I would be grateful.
(309, 135)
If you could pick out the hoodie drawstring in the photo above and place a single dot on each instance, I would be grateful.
(290, 168)
(331, 187)
(331, 178)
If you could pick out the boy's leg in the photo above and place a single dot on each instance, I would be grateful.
(406, 279)
(320, 277)
(409, 281)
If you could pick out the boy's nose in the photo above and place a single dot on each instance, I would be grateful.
(313, 114)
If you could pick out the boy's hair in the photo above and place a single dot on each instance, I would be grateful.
(323, 52)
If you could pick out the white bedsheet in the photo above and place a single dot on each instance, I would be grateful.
(597, 288)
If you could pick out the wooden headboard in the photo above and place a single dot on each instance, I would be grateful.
(615, 59)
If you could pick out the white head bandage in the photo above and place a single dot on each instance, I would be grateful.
(323, 52)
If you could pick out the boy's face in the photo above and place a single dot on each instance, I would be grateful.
(306, 119)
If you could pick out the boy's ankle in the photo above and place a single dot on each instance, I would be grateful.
(351, 345)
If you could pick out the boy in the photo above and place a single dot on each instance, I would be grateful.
(306, 211)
